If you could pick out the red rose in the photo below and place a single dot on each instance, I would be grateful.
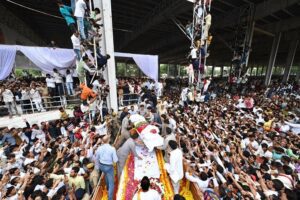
(153, 131)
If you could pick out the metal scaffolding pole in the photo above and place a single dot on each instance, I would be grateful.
(290, 60)
(272, 59)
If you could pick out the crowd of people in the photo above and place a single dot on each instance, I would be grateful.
(39, 94)
(236, 145)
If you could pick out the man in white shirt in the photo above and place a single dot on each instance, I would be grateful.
(8, 98)
(76, 44)
(69, 82)
(58, 78)
(50, 85)
(263, 151)
(146, 193)
(250, 144)
(79, 13)
(175, 167)
(25, 99)
(37, 99)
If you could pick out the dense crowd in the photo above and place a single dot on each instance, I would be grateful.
(234, 145)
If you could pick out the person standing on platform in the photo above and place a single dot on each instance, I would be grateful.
(36, 98)
(124, 151)
(9, 100)
(175, 167)
(69, 82)
(106, 156)
(58, 82)
(50, 85)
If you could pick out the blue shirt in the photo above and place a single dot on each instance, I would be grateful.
(106, 154)
(66, 12)
(9, 138)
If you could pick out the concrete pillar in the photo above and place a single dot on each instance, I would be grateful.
(290, 60)
(249, 39)
(222, 71)
(298, 76)
(257, 68)
(212, 71)
(272, 59)
(107, 47)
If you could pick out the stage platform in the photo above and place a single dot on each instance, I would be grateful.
(34, 118)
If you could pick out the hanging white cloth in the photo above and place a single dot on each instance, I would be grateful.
(49, 58)
(7, 60)
(147, 63)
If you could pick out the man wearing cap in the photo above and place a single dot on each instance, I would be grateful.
(94, 175)
(106, 156)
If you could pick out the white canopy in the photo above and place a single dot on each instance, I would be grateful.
(48, 58)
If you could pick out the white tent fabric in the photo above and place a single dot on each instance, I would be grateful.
(7, 60)
(47, 59)
(147, 63)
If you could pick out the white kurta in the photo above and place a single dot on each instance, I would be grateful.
(149, 195)
(175, 167)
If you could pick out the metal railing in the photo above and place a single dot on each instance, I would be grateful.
(48, 103)
(129, 99)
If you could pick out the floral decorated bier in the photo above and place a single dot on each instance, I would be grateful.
(151, 164)
(149, 134)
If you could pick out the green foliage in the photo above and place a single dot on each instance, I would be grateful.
(33, 72)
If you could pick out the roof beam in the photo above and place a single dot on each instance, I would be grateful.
(283, 25)
(271, 6)
(165, 8)
(262, 10)
(227, 3)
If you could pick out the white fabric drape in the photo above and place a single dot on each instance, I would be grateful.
(147, 63)
(7, 60)
(49, 58)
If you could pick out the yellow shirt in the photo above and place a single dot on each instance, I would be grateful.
(268, 125)
(78, 181)
(64, 115)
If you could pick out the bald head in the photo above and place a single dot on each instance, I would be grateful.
(106, 139)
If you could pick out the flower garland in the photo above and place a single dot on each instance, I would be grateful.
(185, 189)
(164, 178)
(131, 184)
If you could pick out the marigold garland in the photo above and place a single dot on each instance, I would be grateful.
(127, 185)
(164, 178)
